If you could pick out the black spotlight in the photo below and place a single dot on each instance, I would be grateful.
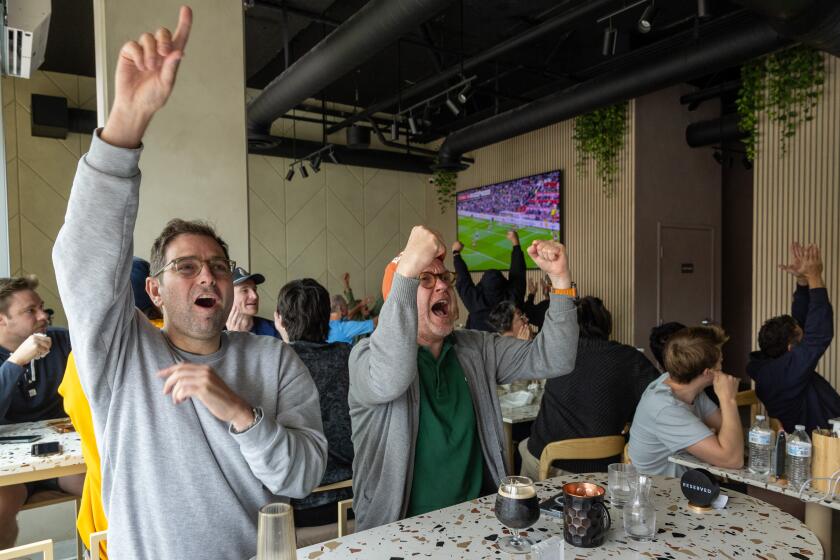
(646, 21)
(291, 173)
(464, 94)
(315, 163)
(395, 131)
(453, 107)
(610, 39)
(412, 125)
(703, 11)
(303, 172)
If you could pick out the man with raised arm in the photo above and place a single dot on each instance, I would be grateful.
(197, 428)
(427, 427)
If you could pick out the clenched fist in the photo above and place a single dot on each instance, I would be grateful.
(423, 247)
(551, 257)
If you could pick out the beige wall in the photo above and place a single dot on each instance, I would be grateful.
(39, 175)
(195, 158)
(599, 231)
(797, 197)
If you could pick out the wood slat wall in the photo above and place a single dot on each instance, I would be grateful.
(797, 197)
(599, 231)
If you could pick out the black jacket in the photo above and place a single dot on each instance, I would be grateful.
(789, 385)
(492, 289)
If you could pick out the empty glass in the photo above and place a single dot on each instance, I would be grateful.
(620, 475)
(640, 513)
(276, 533)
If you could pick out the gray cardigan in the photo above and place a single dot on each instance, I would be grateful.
(384, 393)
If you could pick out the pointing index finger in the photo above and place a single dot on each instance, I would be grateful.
(182, 32)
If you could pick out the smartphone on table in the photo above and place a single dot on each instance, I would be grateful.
(19, 439)
(47, 448)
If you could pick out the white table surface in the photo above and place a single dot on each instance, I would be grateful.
(17, 464)
(746, 528)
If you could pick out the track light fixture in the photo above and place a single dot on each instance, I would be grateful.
(464, 94)
(610, 39)
(332, 156)
(315, 163)
(303, 172)
(412, 125)
(646, 21)
(290, 174)
(453, 107)
(703, 11)
(395, 131)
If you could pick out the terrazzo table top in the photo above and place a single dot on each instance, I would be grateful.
(746, 528)
(760, 481)
(517, 414)
(17, 463)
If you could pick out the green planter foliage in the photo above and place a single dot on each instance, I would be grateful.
(787, 85)
(445, 182)
(599, 136)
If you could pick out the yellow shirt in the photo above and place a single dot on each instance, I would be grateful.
(91, 517)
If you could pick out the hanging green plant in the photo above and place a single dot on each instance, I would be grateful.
(599, 136)
(445, 182)
(787, 85)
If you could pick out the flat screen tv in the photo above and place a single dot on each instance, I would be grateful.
(531, 205)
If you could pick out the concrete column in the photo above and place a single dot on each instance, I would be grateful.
(195, 159)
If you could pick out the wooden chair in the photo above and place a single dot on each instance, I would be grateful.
(749, 398)
(95, 540)
(625, 456)
(45, 548)
(306, 536)
(581, 448)
(52, 497)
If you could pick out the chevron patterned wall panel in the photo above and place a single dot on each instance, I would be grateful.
(343, 219)
(39, 175)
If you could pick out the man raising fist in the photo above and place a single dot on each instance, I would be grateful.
(427, 427)
(189, 419)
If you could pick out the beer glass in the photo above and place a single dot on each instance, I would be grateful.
(276, 533)
(517, 508)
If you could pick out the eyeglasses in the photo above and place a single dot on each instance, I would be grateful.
(190, 267)
(428, 279)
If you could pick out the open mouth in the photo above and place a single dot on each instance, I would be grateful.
(440, 308)
(206, 301)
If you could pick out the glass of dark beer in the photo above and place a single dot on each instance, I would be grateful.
(517, 508)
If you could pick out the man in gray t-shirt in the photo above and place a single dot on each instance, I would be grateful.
(675, 414)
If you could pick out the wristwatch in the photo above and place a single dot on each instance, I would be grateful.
(258, 414)
(571, 292)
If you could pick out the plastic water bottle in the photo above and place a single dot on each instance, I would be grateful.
(798, 465)
(761, 446)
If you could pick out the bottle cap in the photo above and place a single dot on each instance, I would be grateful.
(799, 427)
(759, 417)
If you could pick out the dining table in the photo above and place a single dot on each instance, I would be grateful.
(18, 465)
(745, 528)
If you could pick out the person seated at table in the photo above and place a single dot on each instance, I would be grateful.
(32, 361)
(481, 298)
(427, 427)
(91, 515)
(343, 329)
(360, 310)
(303, 320)
(790, 346)
(198, 428)
(659, 336)
(598, 398)
(246, 304)
(675, 414)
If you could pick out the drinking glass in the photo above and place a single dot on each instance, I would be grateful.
(517, 508)
(619, 483)
(276, 533)
(640, 513)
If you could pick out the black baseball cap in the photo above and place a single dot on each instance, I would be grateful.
(241, 275)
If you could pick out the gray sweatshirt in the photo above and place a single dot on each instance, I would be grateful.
(384, 393)
(176, 482)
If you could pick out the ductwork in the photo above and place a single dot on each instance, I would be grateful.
(715, 131)
(813, 22)
(737, 44)
(367, 32)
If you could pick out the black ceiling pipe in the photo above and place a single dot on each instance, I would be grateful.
(733, 46)
(813, 22)
(376, 159)
(378, 24)
(695, 98)
(715, 131)
(550, 26)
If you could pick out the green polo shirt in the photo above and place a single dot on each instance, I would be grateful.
(448, 463)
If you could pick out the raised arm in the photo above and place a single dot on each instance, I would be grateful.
(463, 280)
(795, 267)
(516, 276)
(726, 448)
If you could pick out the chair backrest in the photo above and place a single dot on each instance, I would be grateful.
(43, 547)
(95, 540)
(601, 447)
(625, 455)
(312, 535)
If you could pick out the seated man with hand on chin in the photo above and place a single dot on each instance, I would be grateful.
(427, 427)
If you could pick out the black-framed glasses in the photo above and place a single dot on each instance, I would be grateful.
(190, 267)
(428, 279)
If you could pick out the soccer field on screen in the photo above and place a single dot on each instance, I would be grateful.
(486, 244)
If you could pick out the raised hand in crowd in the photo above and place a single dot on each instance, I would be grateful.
(457, 246)
(345, 280)
(552, 259)
(238, 320)
(513, 237)
(424, 246)
(805, 265)
(35, 347)
(145, 76)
